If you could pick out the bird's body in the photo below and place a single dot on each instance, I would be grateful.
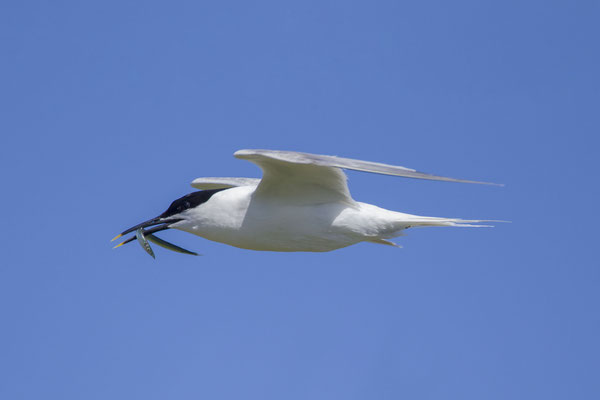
(233, 217)
(302, 203)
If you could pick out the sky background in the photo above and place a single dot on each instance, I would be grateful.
(110, 109)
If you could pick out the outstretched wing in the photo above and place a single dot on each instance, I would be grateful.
(223, 183)
(296, 178)
(312, 178)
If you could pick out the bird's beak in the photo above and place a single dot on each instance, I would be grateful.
(158, 224)
(146, 224)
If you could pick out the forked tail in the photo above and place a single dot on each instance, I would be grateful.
(436, 221)
(410, 221)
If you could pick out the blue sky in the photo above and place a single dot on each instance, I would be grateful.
(110, 109)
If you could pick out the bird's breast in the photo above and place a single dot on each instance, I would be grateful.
(238, 219)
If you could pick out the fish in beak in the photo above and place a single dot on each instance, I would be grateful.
(145, 231)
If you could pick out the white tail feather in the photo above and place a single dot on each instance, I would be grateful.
(455, 222)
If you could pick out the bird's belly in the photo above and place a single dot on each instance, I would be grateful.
(272, 228)
(288, 242)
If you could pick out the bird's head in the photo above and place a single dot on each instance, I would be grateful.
(178, 211)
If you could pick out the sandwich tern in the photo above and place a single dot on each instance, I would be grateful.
(302, 203)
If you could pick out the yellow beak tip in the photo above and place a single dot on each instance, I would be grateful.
(116, 237)
(119, 245)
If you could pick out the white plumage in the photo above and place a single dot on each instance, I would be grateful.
(302, 203)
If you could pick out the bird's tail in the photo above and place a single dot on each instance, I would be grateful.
(391, 224)
(437, 221)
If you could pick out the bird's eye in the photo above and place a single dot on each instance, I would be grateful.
(184, 206)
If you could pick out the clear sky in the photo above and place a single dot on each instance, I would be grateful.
(110, 108)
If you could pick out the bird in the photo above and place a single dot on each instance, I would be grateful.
(301, 204)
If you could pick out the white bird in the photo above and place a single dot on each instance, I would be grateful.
(302, 203)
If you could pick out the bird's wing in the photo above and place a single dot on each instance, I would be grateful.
(296, 178)
(222, 183)
(318, 178)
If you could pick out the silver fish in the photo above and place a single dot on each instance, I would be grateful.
(169, 246)
(143, 242)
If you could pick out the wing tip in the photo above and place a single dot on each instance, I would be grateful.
(244, 153)
(204, 183)
(482, 183)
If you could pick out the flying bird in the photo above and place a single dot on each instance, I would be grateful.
(302, 203)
